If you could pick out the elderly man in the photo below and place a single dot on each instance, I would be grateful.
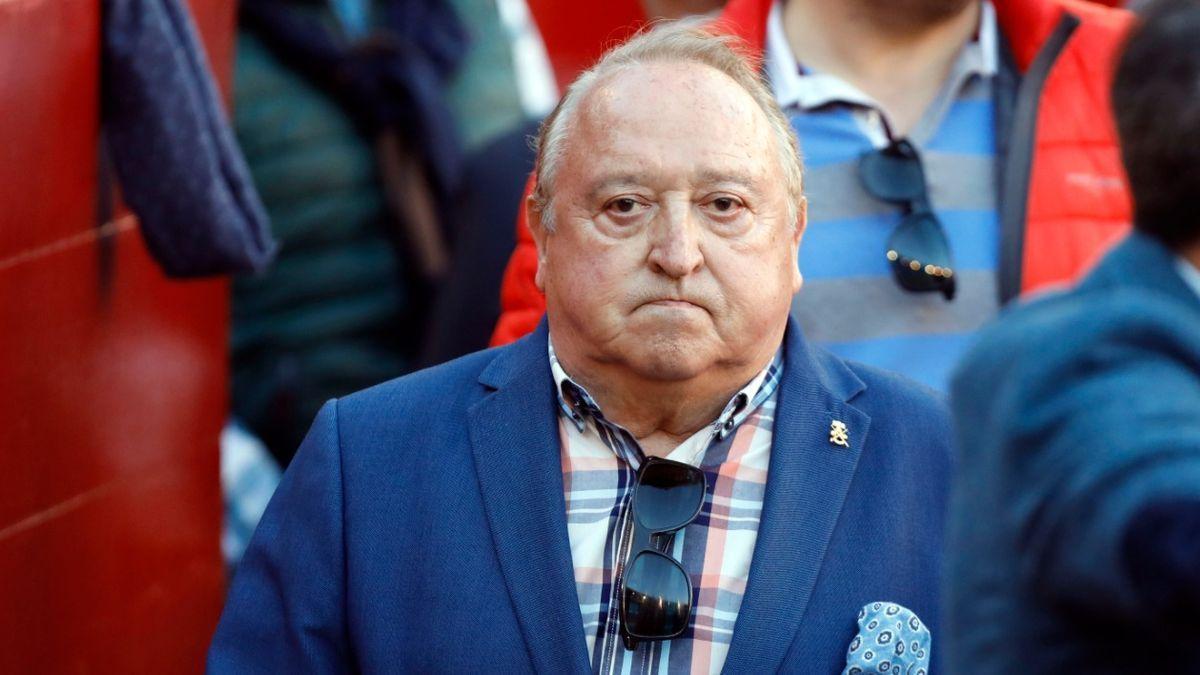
(664, 476)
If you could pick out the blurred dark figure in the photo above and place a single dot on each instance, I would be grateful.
(341, 114)
(469, 304)
(1075, 529)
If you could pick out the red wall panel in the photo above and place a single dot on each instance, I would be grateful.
(112, 383)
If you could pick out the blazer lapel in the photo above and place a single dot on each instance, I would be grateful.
(515, 439)
(806, 486)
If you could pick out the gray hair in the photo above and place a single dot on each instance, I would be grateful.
(685, 41)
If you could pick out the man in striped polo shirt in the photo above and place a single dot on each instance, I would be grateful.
(852, 303)
(664, 477)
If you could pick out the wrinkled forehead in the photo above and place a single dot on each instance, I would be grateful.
(675, 117)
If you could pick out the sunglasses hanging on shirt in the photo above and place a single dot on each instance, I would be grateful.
(656, 592)
(917, 250)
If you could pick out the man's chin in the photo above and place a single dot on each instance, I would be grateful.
(670, 323)
(669, 358)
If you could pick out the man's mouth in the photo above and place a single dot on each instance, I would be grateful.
(674, 304)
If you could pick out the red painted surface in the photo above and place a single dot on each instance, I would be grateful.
(112, 383)
(577, 33)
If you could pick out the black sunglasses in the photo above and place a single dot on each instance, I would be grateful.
(917, 249)
(656, 592)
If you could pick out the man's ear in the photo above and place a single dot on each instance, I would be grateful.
(533, 219)
(797, 235)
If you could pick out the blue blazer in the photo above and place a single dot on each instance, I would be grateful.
(422, 527)
(1075, 414)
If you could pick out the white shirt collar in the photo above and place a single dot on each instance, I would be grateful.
(809, 90)
(691, 451)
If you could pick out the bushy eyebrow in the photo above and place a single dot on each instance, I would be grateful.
(743, 180)
(606, 183)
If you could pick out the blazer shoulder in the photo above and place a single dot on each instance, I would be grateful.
(437, 394)
(886, 390)
(1039, 344)
(905, 414)
(871, 388)
(1068, 323)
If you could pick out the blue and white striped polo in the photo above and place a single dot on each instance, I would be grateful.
(850, 302)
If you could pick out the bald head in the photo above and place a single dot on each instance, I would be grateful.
(681, 43)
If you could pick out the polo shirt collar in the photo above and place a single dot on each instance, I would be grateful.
(796, 87)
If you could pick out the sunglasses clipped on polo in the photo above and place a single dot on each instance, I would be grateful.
(656, 592)
(917, 250)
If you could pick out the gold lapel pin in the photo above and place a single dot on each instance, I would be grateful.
(839, 434)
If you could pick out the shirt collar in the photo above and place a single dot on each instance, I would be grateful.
(1190, 274)
(796, 87)
(578, 406)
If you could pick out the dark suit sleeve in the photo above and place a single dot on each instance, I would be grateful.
(1107, 441)
(1162, 552)
(286, 608)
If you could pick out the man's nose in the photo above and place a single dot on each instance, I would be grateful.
(675, 245)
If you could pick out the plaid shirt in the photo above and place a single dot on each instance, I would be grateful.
(600, 461)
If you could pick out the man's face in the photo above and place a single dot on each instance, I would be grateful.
(672, 252)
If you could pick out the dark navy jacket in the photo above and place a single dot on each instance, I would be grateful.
(1071, 547)
(422, 526)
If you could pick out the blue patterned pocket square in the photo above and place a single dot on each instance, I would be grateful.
(891, 640)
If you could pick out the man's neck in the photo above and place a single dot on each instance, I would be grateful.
(660, 414)
(897, 58)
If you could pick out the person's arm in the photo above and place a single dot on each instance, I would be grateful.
(286, 608)
(521, 302)
(1109, 443)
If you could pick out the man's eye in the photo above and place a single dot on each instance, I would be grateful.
(623, 205)
(724, 204)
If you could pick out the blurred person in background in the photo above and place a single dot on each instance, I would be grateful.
(365, 123)
(341, 109)
(958, 153)
(1074, 541)
(320, 92)
(498, 159)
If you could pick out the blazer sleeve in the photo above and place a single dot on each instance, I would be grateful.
(1108, 444)
(285, 611)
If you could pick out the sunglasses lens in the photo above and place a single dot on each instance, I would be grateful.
(920, 255)
(658, 597)
(893, 174)
(668, 495)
